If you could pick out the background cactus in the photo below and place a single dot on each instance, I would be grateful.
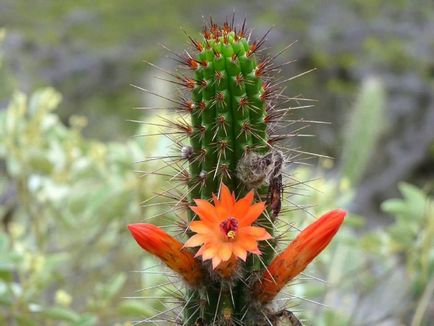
(231, 136)
(369, 109)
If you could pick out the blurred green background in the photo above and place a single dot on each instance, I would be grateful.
(69, 184)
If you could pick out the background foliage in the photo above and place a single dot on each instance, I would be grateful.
(69, 185)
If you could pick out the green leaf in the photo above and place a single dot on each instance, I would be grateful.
(114, 286)
(86, 320)
(411, 208)
(26, 321)
(6, 298)
(394, 206)
(335, 318)
(3, 242)
(134, 308)
(415, 198)
(60, 313)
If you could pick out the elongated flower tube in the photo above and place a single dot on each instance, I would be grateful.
(169, 250)
(300, 252)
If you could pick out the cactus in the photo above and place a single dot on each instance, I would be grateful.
(230, 173)
(369, 110)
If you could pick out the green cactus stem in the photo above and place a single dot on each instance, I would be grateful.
(230, 99)
(233, 124)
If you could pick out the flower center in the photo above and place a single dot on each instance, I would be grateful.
(229, 227)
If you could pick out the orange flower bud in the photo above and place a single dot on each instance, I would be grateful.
(300, 252)
(169, 250)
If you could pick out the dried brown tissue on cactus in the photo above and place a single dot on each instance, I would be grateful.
(228, 179)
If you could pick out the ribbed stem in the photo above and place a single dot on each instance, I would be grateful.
(228, 122)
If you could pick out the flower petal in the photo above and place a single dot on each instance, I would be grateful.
(242, 205)
(209, 252)
(222, 213)
(226, 198)
(256, 251)
(247, 242)
(225, 251)
(204, 210)
(199, 227)
(215, 200)
(239, 252)
(195, 240)
(252, 214)
(257, 232)
(216, 261)
(200, 251)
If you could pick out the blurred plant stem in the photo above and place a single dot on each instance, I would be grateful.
(423, 303)
(27, 203)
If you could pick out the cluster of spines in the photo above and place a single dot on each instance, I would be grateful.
(228, 106)
(233, 112)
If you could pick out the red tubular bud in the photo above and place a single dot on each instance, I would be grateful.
(300, 252)
(169, 250)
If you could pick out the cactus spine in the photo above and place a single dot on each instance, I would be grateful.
(228, 118)
(228, 110)
(232, 132)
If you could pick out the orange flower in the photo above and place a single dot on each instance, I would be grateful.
(224, 229)
(300, 252)
(169, 250)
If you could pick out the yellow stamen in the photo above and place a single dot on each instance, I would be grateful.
(231, 234)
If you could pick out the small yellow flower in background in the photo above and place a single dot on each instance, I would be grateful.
(344, 184)
(327, 163)
(63, 298)
(78, 121)
(16, 230)
(38, 262)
